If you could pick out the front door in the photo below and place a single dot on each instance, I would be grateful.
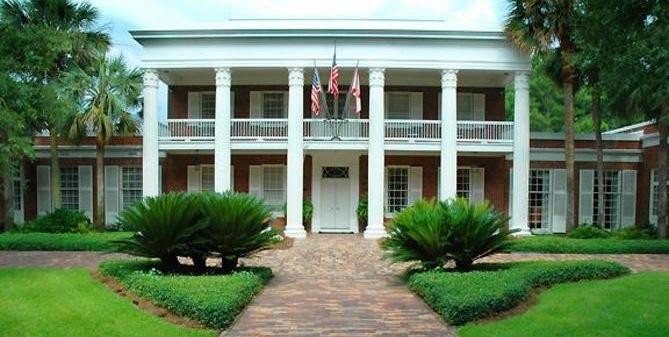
(335, 200)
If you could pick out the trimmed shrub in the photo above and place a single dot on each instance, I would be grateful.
(214, 300)
(464, 297)
(61, 241)
(61, 220)
(361, 212)
(632, 233)
(588, 232)
(562, 245)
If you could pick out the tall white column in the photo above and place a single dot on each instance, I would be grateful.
(150, 157)
(294, 226)
(521, 152)
(448, 166)
(375, 156)
(222, 151)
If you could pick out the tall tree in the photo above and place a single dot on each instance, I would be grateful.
(63, 33)
(546, 27)
(108, 95)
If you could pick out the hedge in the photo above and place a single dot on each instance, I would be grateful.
(560, 244)
(65, 241)
(213, 300)
(464, 297)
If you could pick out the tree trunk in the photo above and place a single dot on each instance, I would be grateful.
(569, 145)
(662, 218)
(99, 217)
(596, 110)
(55, 170)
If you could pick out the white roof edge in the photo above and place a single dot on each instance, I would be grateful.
(627, 128)
(584, 136)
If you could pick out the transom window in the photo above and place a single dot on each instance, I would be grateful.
(398, 189)
(273, 188)
(335, 172)
(463, 184)
(611, 202)
(273, 104)
(131, 185)
(399, 105)
(207, 178)
(539, 196)
(69, 188)
(208, 105)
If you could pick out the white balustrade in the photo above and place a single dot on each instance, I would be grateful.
(485, 131)
(187, 130)
(321, 129)
(259, 129)
(412, 130)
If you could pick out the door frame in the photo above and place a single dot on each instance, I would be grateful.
(321, 159)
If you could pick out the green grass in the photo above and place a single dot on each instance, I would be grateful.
(214, 300)
(632, 306)
(464, 297)
(68, 241)
(40, 302)
(560, 244)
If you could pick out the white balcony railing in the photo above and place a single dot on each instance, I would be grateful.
(352, 129)
(187, 130)
(412, 130)
(485, 131)
(259, 129)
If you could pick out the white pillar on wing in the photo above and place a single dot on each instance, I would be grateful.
(521, 152)
(295, 158)
(375, 156)
(222, 153)
(150, 157)
(448, 165)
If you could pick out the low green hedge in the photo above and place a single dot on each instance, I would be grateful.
(464, 297)
(60, 241)
(560, 244)
(213, 300)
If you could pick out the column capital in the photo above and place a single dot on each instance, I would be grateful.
(521, 80)
(223, 77)
(377, 77)
(295, 76)
(449, 78)
(150, 78)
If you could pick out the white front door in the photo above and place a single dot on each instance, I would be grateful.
(335, 200)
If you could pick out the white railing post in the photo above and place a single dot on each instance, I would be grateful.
(521, 152)
(449, 152)
(150, 157)
(295, 158)
(375, 156)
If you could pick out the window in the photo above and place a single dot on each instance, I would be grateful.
(273, 105)
(340, 172)
(611, 202)
(399, 105)
(470, 106)
(398, 189)
(273, 187)
(207, 178)
(69, 188)
(463, 184)
(539, 196)
(655, 196)
(341, 101)
(131, 185)
(208, 105)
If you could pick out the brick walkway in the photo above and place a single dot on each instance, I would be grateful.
(54, 259)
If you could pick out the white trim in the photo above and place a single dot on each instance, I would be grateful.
(627, 128)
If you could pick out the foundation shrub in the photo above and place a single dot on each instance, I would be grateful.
(588, 232)
(60, 220)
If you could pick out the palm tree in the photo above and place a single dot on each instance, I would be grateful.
(107, 97)
(546, 27)
(70, 28)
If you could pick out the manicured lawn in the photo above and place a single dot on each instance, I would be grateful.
(69, 241)
(634, 306)
(559, 244)
(465, 297)
(69, 303)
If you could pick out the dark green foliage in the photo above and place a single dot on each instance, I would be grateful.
(436, 232)
(59, 221)
(361, 211)
(464, 297)
(61, 242)
(307, 210)
(633, 233)
(214, 300)
(563, 245)
(588, 232)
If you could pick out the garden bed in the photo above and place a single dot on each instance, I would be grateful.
(493, 288)
(563, 245)
(61, 242)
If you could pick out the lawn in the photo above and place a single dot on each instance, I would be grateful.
(634, 306)
(560, 244)
(66, 241)
(70, 303)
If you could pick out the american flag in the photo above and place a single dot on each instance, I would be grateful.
(333, 85)
(355, 91)
(315, 93)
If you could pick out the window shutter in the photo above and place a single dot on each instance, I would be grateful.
(232, 104)
(585, 199)
(416, 105)
(160, 179)
(285, 104)
(194, 104)
(86, 190)
(559, 193)
(232, 178)
(628, 199)
(415, 184)
(439, 106)
(256, 181)
(255, 104)
(478, 107)
(464, 106)
(112, 194)
(386, 106)
(477, 178)
(510, 192)
(285, 183)
(43, 189)
(194, 179)
(652, 216)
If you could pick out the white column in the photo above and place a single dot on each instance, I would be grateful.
(521, 152)
(150, 158)
(449, 123)
(294, 226)
(222, 131)
(375, 156)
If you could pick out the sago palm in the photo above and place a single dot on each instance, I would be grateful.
(108, 95)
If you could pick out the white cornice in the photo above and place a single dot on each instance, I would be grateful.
(584, 136)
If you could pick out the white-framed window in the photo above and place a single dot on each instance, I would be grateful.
(403, 105)
(654, 196)
(207, 178)
(463, 183)
(208, 105)
(619, 202)
(397, 191)
(274, 188)
(539, 211)
(201, 178)
(69, 188)
(274, 105)
(470, 106)
(611, 202)
(131, 185)
(202, 104)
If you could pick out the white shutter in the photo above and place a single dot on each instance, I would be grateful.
(652, 216)
(477, 179)
(415, 184)
(285, 104)
(232, 178)
(478, 107)
(559, 204)
(194, 105)
(255, 104)
(112, 194)
(585, 199)
(43, 189)
(160, 179)
(256, 180)
(386, 105)
(464, 106)
(86, 190)
(194, 178)
(510, 192)
(285, 183)
(439, 106)
(416, 99)
(385, 190)
(628, 199)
